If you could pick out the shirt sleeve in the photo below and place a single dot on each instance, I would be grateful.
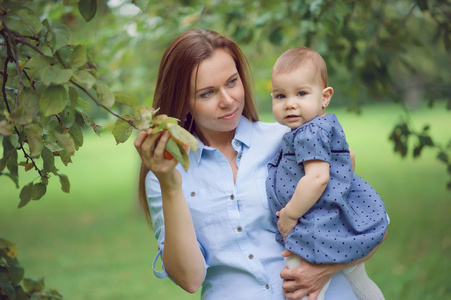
(154, 201)
(311, 142)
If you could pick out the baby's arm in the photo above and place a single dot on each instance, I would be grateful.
(308, 190)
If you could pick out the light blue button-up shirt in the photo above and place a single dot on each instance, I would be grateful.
(232, 220)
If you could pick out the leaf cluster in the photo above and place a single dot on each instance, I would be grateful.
(13, 284)
(47, 86)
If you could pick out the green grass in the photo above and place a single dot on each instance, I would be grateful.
(95, 244)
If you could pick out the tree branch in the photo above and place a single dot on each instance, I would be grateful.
(130, 122)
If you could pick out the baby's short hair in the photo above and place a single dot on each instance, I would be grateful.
(297, 57)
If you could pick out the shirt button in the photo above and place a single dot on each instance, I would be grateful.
(251, 256)
(193, 194)
(239, 229)
(236, 143)
(232, 197)
(239, 156)
(267, 286)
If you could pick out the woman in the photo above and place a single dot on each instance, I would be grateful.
(212, 222)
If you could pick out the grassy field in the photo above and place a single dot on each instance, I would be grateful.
(95, 244)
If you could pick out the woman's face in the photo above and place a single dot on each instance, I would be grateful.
(218, 98)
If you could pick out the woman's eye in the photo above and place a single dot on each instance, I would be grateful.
(206, 94)
(233, 82)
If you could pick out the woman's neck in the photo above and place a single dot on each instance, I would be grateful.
(216, 139)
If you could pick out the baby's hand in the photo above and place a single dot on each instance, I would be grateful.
(285, 224)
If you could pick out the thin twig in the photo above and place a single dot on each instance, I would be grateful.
(130, 122)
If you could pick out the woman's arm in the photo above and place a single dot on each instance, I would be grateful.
(309, 279)
(308, 190)
(182, 256)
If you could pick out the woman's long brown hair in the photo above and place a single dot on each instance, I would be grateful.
(172, 91)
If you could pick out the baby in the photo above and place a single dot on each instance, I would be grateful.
(324, 212)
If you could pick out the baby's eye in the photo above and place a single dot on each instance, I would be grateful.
(279, 96)
(302, 94)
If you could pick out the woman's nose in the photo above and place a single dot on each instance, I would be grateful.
(226, 99)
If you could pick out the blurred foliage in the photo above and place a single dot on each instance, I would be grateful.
(58, 56)
(13, 284)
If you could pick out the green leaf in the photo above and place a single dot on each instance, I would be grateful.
(65, 184)
(82, 103)
(27, 109)
(49, 160)
(182, 136)
(65, 141)
(36, 64)
(73, 96)
(33, 284)
(104, 93)
(53, 100)
(25, 195)
(13, 166)
(78, 57)
(14, 23)
(77, 134)
(62, 37)
(30, 18)
(88, 9)
(38, 190)
(34, 139)
(65, 158)
(121, 131)
(90, 122)
(8, 152)
(67, 117)
(55, 75)
(179, 153)
(126, 98)
(84, 77)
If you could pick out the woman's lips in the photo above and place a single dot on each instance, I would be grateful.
(229, 116)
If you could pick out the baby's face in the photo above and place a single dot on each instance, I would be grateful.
(297, 97)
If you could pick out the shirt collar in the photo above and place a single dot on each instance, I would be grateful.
(242, 135)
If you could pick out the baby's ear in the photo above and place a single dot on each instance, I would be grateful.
(327, 96)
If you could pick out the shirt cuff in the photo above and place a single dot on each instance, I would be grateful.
(163, 274)
(159, 274)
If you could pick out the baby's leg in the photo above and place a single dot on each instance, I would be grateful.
(364, 288)
(294, 261)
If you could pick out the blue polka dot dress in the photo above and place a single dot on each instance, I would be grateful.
(349, 220)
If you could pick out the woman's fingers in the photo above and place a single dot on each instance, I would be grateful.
(140, 140)
(161, 144)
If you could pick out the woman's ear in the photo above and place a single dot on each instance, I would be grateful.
(327, 96)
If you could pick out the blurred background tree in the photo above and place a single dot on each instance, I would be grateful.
(376, 51)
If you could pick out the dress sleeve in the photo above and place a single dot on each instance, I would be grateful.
(311, 142)
(154, 201)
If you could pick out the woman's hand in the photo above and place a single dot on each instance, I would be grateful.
(306, 280)
(151, 148)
